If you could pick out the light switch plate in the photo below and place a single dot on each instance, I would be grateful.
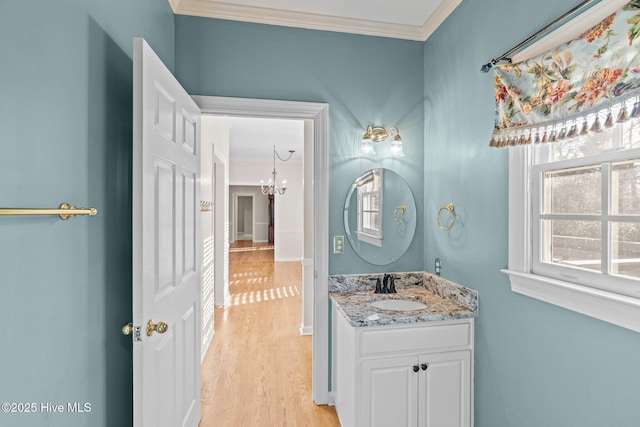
(338, 245)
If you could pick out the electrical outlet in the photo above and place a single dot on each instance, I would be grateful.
(338, 245)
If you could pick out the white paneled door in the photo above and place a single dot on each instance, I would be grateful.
(166, 246)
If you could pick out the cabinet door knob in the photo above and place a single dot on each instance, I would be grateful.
(416, 368)
(424, 366)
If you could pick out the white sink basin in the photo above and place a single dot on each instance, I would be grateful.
(398, 304)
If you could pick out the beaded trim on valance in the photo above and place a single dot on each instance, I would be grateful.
(580, 87)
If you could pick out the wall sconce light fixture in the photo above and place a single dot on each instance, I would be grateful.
(379, 134)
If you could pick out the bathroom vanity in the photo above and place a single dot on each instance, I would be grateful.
(407, 367)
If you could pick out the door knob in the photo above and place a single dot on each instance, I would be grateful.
(416, 368)
(424, 366)
(160, 327)
(127, 329)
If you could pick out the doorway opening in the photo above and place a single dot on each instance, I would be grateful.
(315, 196)
(244, 216)
(244, 228)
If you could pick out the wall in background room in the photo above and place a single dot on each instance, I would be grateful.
(289, 208)
(260, 207)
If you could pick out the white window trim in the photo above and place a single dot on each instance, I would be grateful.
(617, 309)
(366, 235)
(370, 239)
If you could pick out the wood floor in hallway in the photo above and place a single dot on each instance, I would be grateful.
(257, 371)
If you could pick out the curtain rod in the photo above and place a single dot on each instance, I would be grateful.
(506, 56)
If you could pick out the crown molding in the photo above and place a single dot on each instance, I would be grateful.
(437, 17)
(174, 5)
(260, 15)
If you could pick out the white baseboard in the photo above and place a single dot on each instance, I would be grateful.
(289, 259)
(306, 330)
(227, 298)
(332, 401)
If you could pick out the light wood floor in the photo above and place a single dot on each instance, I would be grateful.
(257, 371)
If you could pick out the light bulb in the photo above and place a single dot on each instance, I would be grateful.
(366, 148)
(396, 149)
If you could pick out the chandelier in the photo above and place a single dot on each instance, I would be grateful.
(272, 187)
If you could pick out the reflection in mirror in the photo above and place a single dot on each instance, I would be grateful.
(380, 216)
(369, 207)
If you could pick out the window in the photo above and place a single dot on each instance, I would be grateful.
(586, 210)
(575, 223)
(369, 187)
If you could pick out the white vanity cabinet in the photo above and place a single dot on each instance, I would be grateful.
(418, 374)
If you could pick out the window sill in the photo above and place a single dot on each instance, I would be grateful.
(370, 239)
(620, 310)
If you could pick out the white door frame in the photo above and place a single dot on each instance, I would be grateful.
(235, 213)
(318, 113)
(221, 263)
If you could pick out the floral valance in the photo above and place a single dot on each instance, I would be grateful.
(582, 86)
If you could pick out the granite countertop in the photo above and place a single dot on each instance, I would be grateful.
(445, 300)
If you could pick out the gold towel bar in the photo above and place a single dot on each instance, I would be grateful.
(65, 211)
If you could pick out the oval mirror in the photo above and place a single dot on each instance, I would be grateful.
(380, 216)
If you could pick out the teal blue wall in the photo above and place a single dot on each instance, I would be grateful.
(65, 120)
(536, 364)
(365, 80)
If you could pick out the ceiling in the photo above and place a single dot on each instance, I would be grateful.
(403, 19)
(254, 138)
